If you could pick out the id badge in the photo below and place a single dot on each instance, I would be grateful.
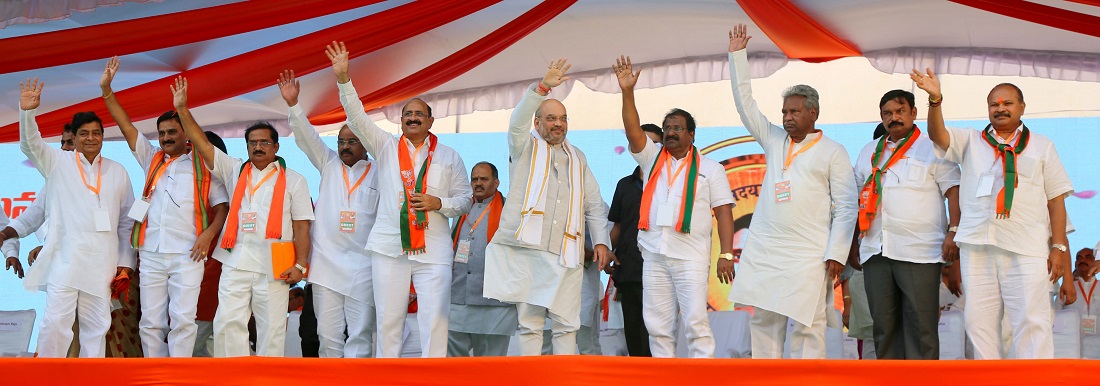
(139, 210)
(985, 185)
(783, 191)
(347, 221)
(102, 220)
(666, 215)
(462, 253)
(1088, 325)
(248, 222)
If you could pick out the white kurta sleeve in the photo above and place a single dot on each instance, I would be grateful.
(373, 137)
(755, 121)
(144, 152)
(307, 139)
(842, 190)
(31, 219)
(460, 194)
(947, 174)
(301, 204)
(42, 155)
(519, 125)
(1055, 180)
(959, 139)
(10, 248)
(646, 157)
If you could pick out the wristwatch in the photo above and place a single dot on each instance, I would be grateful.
(726, 256)
(1060, 247)
(954, 229)
(301, 268)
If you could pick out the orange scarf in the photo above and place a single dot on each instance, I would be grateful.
(413, 222)
(687, 203)
(495, 206)
(871, 195)
(274, 228)
(202, 193)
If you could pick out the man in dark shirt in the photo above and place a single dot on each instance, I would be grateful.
(627, 273)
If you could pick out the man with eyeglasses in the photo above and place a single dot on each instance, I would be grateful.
(347, 202)
(801, 232)
(421, 183)
(269, 204)
(180, 211)
(536, 257)
(682, 189)
(87, 250)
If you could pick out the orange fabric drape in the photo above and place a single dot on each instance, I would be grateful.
(102, 41)
(456, 64)
(257, 69)
(546, 370)
(1041, 14)
(797, 34)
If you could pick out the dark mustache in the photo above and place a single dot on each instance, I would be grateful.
(896, 124)
(1002, 114)
(413, 122)
(258, 152)
(345, 151)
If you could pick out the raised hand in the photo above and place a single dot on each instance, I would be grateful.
(624, 71)
(338, 54)
(739, 38)
(928, 82)
(30, 94)
(555, 73)
(289, 87)
(108, 76)
(179, 93)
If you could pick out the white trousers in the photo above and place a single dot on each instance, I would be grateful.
(998, 283)
(337, 312)
(768, 331)
(169, 299)
(392, 276)
(242, 294)
(675, 291)
(63, 306)
(532, 319)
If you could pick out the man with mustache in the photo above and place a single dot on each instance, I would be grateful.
(1012, 233)
(1086, 284)
(270, 203)
(421, 184)
(87, 250)
(682, 189)
(180, 212)
(535, 259)
(801, 231)
(905, 232)
(478, 326)
(347, 202)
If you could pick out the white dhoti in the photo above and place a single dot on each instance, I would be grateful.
(541, 287)
(169, 300)
(337, 312)
(996, 283)
(675, 291)
(63, 306)
(392, 276)
(242, 294)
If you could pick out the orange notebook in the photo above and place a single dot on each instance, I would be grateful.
(282, 258)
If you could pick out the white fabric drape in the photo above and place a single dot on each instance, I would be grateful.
(38, 11)
(1058, 65)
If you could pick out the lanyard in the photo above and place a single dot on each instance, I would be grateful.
(1087, 296)
(668, 166)
(98, 178)
(481, 217)
(347, 183)
(157, 173)
(253, 188)
(790, 149)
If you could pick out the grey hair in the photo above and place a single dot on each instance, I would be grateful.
(808, 92)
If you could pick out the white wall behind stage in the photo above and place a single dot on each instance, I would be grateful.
(1075, 139)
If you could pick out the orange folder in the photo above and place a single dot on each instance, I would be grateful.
(282, 258)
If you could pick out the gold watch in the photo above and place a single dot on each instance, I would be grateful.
(726, 256)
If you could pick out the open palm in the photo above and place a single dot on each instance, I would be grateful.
(30, 94)
(624, 71)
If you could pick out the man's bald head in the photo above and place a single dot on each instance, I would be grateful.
(551, 121)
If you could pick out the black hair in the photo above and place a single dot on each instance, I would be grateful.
(169, 115)
(262, 126)
(492, 167)
(82, 118)
(894, 95)
(684, 114)
(216, 141)
(651, 128)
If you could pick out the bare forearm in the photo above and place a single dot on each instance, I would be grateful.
(1057, 210)
(221, 212)
(196, 135)
(724, 215)
(301, 241)
(121, 118)
(634, 134)
(953, 210)
(937, 130)
(615, 231)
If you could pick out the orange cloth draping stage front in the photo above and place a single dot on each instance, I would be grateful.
(556, 371)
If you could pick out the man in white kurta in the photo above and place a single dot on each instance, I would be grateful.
(179, 228)
(249, 286)
(87, 250)
(444, 193)
(1012, 237)
(1086, 290)
(347, 202)
(805, 217)
(675, 234)
(535, 259)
